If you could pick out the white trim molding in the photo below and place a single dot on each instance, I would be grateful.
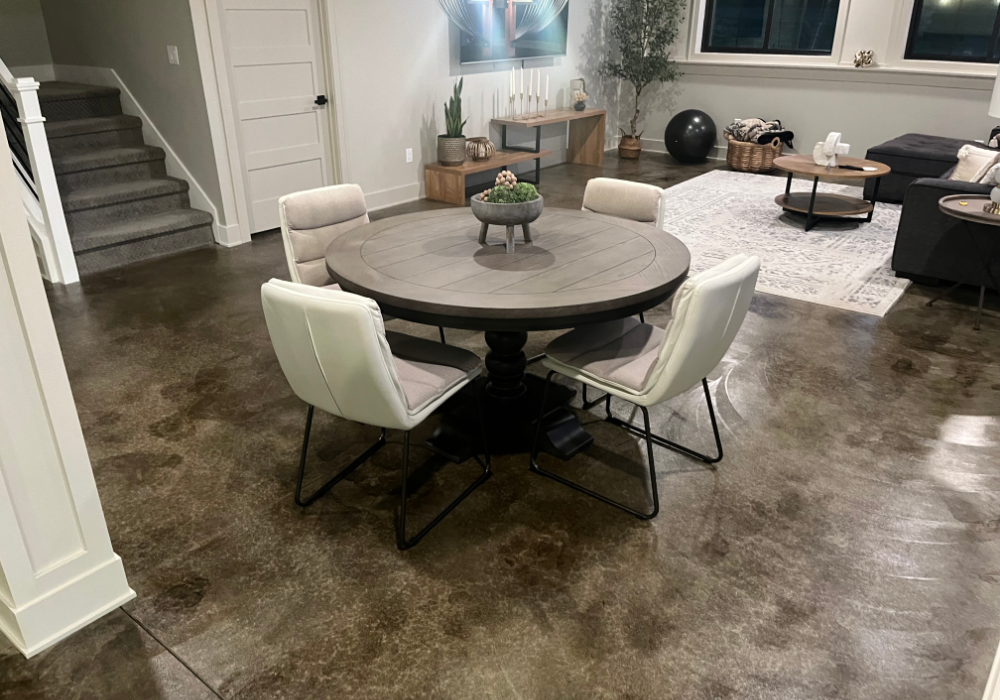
(154, 137)
(58, 571)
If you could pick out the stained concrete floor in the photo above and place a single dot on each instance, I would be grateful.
(848, 546)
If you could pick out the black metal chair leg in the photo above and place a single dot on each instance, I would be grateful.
(441, 331)
(339, 476)
(661, 441)
(642, 319)
(401, 541)
(593, 494)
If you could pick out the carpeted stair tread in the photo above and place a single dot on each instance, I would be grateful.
(58, 90)
(94, 125)
(124, 232)
(107, 195)
(105, 158)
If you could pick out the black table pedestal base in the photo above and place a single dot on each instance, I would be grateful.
(511, 403)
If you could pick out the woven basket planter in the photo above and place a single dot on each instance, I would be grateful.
(752, 157)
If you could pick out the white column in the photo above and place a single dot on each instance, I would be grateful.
(33, 125)
(57, 569)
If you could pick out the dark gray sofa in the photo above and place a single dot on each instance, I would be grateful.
(911, 157)
(932, 246)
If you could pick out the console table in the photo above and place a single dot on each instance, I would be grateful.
(586, 134)
(446, 183)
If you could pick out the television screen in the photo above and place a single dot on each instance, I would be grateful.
(513, 29)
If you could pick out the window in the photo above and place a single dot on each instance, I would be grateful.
(770, 26)
(955, 30)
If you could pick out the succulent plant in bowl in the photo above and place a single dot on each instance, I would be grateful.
(509, 203)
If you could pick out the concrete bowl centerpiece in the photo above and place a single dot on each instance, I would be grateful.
(509, 213)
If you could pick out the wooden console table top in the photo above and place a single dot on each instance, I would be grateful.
(553, 116)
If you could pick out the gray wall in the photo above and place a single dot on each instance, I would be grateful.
(23, 41)
(131, 37)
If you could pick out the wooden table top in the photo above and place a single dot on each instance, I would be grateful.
(972, 211)
(552, 116)
(581, 268)
(805, 165)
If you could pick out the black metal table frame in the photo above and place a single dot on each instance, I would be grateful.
(812, 219)
(987, 268)
(537, 149)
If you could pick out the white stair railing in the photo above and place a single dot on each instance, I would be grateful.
(43, 206)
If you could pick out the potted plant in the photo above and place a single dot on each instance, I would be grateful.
(510, 203)
(451, 144)
(644, 31)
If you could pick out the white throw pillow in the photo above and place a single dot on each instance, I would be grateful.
(973, 163)
(990, 178)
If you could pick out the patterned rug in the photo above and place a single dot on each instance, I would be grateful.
(840, 264)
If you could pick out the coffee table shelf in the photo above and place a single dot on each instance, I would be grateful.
(821, 205)
(825, 204)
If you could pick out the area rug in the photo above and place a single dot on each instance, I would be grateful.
(838, 263)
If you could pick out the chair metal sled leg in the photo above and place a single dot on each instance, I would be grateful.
(339, 476)
(441, 331)
(661, 441)
(593, 494)
(401, 541)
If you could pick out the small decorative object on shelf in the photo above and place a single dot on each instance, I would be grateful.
(994, 205)
(451, 144)
(480, 148)
(826, 152)
(509, 203)
(579, 94)
(864, 59)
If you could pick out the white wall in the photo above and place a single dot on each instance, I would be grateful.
(394, 77)
(813, 97)
(23, 41)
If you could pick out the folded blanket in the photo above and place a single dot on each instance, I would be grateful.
(759, 131)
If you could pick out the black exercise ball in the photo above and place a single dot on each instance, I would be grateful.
(690, 136)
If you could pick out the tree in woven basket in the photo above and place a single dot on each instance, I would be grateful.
(643, 32)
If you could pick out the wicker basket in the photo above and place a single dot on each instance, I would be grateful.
(752, 157)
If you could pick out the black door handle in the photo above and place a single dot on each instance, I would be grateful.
(321, 100)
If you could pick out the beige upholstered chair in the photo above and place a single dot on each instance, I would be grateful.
(626, 200)
(337, 356)
(310, 220)
(645, 365)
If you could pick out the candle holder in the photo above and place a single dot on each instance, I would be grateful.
(512, 105)
(546, 111)
(522, 106)
(527, 115)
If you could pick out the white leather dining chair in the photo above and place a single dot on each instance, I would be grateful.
(635, 201)
(646, 365)
(310, 220)
(337, 356)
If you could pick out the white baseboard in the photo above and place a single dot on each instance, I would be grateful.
(42, 72)
(84, 600)
(658, 146)
(393, 196)
(153, 137)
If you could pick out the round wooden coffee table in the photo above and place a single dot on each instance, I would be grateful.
(580, 268)
(818, 205)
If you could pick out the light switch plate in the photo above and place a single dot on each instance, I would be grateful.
(409, 155)
(173, 56)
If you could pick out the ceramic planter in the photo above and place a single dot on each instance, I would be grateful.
(451, 150)
(509, 215)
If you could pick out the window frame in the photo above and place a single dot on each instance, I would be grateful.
(706, 33)
(910, 55)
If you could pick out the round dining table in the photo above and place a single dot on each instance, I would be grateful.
(580, 268)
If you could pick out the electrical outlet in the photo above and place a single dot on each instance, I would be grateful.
(173, 56)
(409, 155)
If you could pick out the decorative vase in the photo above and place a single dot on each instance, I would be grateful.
(509, 215)
(630, 146)
(451, 150)
(580, 106)
(480, 148)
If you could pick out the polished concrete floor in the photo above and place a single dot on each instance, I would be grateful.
(848, 546)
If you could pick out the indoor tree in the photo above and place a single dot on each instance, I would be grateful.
(643, 32)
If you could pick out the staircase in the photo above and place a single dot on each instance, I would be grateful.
(120, 206)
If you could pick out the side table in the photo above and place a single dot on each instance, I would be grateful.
(969, 208)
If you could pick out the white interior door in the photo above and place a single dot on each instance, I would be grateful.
(276, 73)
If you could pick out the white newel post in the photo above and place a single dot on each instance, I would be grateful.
(58, 571)
(33, 125)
